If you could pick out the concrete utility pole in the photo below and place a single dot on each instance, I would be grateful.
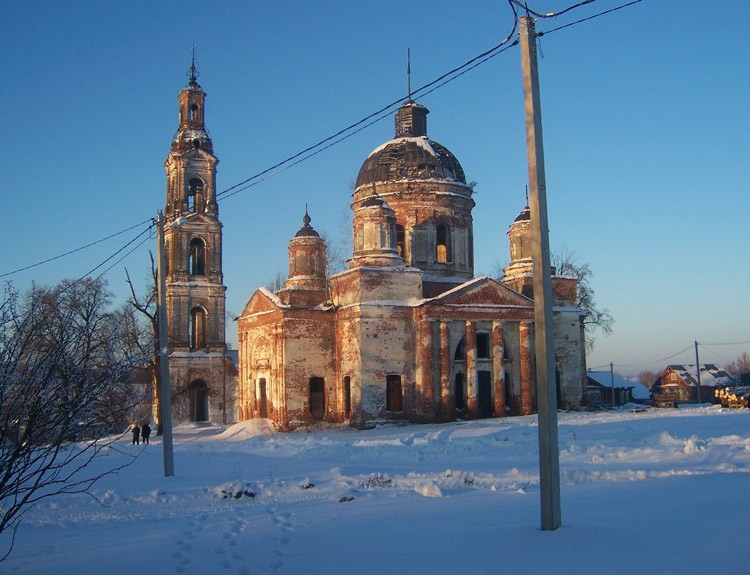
(549, 456)
(165, 414)
(612, 382)
(698, 371)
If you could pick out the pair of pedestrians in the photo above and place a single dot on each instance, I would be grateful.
(140, 432)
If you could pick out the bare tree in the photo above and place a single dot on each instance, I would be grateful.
(741, 365)
(647, 378)
(64, 388)
(145, 338)
(597, 319)
(276, 282)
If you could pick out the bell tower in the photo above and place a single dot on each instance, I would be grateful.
(195, 292)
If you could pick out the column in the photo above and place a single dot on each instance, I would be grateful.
(525, 343)
(447, 401)
(425, 404)
(472, 407)
(498, 369)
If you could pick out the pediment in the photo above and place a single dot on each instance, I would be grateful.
(482, 291)
(262, 301)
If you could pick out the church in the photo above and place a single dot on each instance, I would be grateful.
(406, 334)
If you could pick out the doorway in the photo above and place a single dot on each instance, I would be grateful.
(263, 397)
(199, 401)
(484, 393)
(317, 398)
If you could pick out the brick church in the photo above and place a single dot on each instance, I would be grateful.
(406, 333)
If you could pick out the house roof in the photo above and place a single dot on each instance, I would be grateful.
(605, 378)
(711, 375)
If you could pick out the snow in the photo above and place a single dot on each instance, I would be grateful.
(654, 491)
(420, 141)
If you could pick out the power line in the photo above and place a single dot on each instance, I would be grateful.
(486, 55)
(589, 17)
(378, 116)
(151, 225)
(74, 251)
(528, 10)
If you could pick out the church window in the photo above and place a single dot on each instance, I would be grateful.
(394, 396)
(460, 350)
(483, 345)
(400, 241)
(197, 258)
(420, 246)
(347, 396)
(443, 244)
(197, 332)
(193, 112)
(195, 190)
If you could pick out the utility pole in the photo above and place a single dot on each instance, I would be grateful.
(698, 371)
(165, 414)
(549, 456)
(612, 382)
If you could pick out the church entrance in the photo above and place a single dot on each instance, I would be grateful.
(317, 398)
(198, 401)
(263, 398)
(484, 393)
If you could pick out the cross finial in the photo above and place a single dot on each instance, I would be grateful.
(193, 72)
(408, 73)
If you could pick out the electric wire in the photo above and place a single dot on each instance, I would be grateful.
(115, 254)
(528, 10)
(342, 134)
(57, 257)
(589, 18)
(225, 193)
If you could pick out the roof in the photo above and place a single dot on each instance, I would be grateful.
(410, 157)
(606, 378)
(711, 374)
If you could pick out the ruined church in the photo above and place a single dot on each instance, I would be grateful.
(406, 333)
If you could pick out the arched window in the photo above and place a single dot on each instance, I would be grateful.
(443, 244)
(194, 194)
(400, 241)
(193, 112)
(197, 258)
(197, 328)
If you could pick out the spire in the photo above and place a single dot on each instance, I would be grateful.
(408, 74)
(306, 229)
(193, 72)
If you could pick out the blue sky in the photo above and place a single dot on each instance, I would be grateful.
(645, 117)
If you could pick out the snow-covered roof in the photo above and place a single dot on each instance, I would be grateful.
(711, 375)
(605, 379)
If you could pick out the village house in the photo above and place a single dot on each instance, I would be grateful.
(679, 384)
(602, 385)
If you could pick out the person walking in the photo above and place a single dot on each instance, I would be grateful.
(145, 432)
(136, 434)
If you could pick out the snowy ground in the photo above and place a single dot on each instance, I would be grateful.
(655, 492)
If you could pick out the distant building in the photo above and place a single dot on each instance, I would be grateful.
(679, 383)
(600, 385)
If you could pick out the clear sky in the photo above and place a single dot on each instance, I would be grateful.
(645, 114)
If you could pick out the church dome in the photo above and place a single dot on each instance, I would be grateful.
(411, 154)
